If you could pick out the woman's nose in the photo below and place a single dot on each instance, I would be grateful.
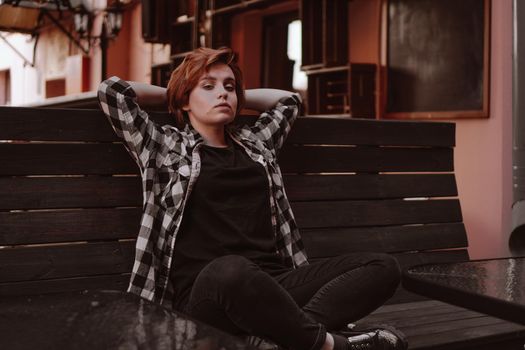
(222, 92)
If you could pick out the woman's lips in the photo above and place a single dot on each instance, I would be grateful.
(223, 105)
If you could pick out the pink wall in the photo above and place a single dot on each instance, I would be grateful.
(483, 156)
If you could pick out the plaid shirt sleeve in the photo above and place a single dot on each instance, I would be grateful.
(273, 126)
(132, 124)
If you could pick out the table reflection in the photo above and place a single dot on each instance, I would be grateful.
(103, 320)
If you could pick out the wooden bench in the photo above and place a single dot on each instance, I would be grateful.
(71, 200)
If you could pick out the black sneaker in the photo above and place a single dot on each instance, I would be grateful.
(384, 337)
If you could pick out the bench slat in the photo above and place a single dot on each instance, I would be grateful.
(342, 130)
(486, 335)
(431, 323)
(93, 159)
(107, 282)
(18, 123)
(65, 159)
(339, 131)
(375, 213)
(298, 159)
(69, 192)
(68, 260)
(68, 225)
(337, 241)
(109, 191)
(335, 187)
(426, 257)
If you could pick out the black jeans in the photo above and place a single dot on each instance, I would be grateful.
(293, 308)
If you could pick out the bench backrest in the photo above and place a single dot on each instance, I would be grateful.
(70, 195)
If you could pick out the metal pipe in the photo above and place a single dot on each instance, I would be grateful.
(517, 237)
(104, 49)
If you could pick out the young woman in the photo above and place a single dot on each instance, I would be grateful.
(218, 240)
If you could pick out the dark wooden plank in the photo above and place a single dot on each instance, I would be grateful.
(375, 213)
(436, 325)
(65, 159)
(341, 130)
(68, 260)
(459, 331)
(79, 159)
(38, 124)
(395, 309)
(318, 159)
(68, 225)
(106, 191)
(69, 192)
(489, 334)
(420, 315)
(19, 123)
(390, 239)
(416, 258)
(359, 186)
(107, 282)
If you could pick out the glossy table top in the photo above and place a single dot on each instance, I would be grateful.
(102, 320)
(495, 286)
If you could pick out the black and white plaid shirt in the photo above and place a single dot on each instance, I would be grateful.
(169, 163)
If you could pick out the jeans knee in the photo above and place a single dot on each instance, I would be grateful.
(228, 272)
(391, 269)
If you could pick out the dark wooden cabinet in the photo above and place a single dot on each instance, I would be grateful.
(155, 21)
(335, 86)
(347, 89)
(325, 33)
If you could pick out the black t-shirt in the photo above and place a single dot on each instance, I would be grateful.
(228, 212)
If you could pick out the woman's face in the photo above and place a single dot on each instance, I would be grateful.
(213, 101)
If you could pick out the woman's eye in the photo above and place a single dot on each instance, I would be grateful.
(208, 86)
(230, 87)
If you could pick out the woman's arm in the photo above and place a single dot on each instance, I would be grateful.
(118, 100)
(279, 109)
(264, 99)
(149, 95)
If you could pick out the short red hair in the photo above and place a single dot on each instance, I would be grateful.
(186, 76)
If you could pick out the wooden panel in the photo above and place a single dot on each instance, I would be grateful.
(345, 131)
(69, 192)
(68, 225)
(19, 123)
(107, 282)
(65, 159)
(37, 124)
(487, 333)
(431, 311)
(337, 241)
(108, 191)
(70, 260)
(407, 260)
(375, 213)
(437, 325)
(298, 159)
(336, 187)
